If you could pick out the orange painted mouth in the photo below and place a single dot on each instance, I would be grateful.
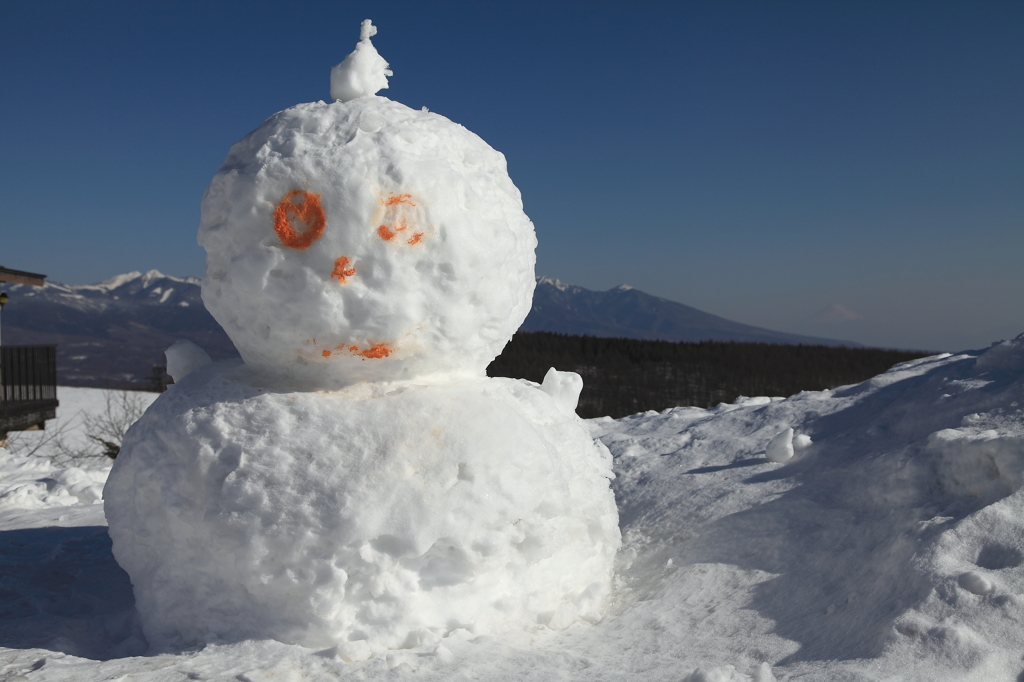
(374, 353)
(377, 352)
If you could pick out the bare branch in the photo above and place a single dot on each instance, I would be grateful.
(104, 431)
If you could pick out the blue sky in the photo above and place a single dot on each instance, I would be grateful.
(762, 161)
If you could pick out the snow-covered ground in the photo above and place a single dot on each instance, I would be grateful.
(889, 547)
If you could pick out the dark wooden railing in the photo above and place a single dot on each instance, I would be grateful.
(28, 386)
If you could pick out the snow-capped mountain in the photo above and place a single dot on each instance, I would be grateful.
(628, 312)
(112, 333)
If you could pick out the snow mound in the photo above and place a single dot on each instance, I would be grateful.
(61, 466)
(986, 464)
(1002, 356)
(365, 240)
(32, 483)
(376, 517)
(889, 537)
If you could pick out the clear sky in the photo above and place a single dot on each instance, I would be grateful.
(762, 161)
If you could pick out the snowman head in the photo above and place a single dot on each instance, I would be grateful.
(365, 241)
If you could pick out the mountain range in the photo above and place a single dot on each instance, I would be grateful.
(630, 313)
(114, 332)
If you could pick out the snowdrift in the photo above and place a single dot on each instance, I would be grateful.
(889, 546)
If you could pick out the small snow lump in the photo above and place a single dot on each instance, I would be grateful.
(780, 447)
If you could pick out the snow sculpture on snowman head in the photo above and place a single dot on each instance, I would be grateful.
(358, 482)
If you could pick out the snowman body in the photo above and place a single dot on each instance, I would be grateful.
(358, 481)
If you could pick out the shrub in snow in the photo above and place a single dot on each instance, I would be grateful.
(107, 427)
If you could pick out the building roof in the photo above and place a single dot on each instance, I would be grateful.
(21, 277)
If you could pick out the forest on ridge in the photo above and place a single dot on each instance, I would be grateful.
(626, 376)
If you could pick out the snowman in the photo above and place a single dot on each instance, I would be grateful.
(356, 480)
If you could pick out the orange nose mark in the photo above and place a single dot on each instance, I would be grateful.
(326, 353)
(415, 238)
(385, 234)
(302, 208)
(342, 270)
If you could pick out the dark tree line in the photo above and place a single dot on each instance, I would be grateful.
(625, 376)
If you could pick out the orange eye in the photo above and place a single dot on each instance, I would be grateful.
(399, 209)
(306, 212)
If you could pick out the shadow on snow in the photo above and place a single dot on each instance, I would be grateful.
(61, 590)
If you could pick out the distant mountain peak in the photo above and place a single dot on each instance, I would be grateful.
(562, 286)
(570, 309)
(551, 281)
(151, 276)
(113, 332)
(118, 281)
(145, 280)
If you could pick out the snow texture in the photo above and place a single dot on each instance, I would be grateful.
(30, 483)
(366, 241)
(865, 557)
(381, 517)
